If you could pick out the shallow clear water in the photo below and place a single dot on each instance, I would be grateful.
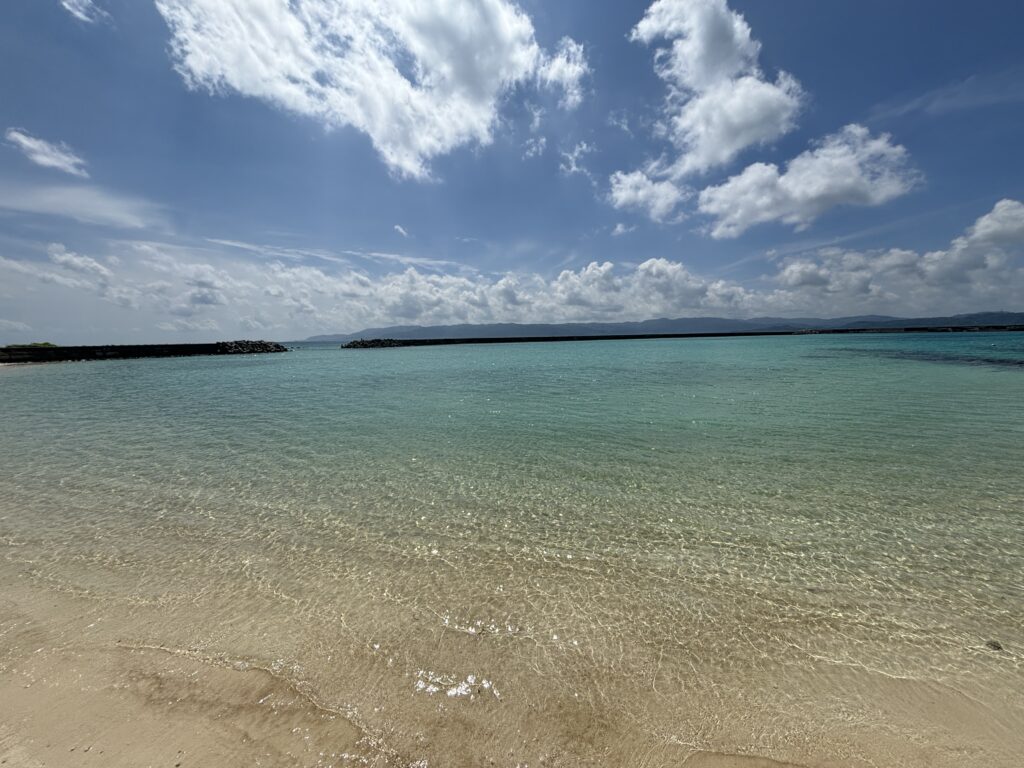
(791, 547)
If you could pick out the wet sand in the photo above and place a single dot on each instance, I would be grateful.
(71, 700)
(78, 690)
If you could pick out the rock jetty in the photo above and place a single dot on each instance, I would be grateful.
(374, 344)
(56, 354)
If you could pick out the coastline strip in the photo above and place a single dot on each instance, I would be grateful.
(56, 354)
(383, 343)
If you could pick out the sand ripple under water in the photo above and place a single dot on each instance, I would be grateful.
(733, 553)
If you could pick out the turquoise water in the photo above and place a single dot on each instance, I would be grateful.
(791, 547)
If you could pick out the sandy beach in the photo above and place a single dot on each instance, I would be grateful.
(449, 557)
(72, 698)
(80, 689)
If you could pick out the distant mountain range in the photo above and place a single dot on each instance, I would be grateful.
(666, 325)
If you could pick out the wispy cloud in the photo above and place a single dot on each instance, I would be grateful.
(344, 257)
(571, 161)
(401, 230)
(84, 203)
(409, 261)
(280, 252)
(975, 92)
(84, 10)
(13, 325)
(534, 146)
(44, 153)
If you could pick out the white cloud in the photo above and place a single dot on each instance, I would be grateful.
(566, 71)
(1004, 225)
(77, 273)
(534, 147)
(979, 270)
(41, 152)
(719, 100)
(84, 10)
(83, 203)
(13, 325)
(984, 248)
(976, 92)
(850, 167)
(347, 257)
(72, 261)
(197, 292)
(716, 125)
(189, 324)
(620, 119)
(42, 274)
(205, 292)
(419, 79)
(636, 190)
(621, 229)
(401, 230)
(570, 164)
(710, 43)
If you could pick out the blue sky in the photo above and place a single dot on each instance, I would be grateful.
(200, 169)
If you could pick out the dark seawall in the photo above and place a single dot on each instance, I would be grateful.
(383, 343)
(126, 351)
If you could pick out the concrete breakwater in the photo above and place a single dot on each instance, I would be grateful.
(47, 354)
(385, 343)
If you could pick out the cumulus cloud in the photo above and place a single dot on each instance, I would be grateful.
(636, 190)
(44, 153)
(84, 10)
(1004, 225)
(719, 123)
(979, 270)
(419, 79)
(986, 246)
(198, 292)
(850, 167)
(720, 102)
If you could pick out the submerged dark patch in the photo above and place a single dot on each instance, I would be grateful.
(950, 358)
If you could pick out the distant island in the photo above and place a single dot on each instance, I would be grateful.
(667, 327)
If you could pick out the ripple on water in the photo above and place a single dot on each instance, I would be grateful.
(652, 548)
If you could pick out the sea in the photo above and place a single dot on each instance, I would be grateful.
(802, 550)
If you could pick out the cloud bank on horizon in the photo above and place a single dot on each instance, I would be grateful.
(665, 159)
